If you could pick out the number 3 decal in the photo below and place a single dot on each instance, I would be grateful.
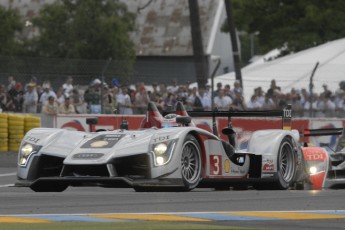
(215, 165)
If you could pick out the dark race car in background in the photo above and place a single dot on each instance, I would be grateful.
(325, 167)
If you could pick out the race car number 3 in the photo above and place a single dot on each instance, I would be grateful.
(215, 165)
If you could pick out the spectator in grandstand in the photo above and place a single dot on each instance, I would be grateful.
(11, 83)
(169, 102)
(124, 101)
(273, 89)
(109, 99)
(173, 87)
(310, 106)
(268, 103)
(155, 94)
(50, 108)
(163, 91)
(47, 92)
(228, 91)
(219, 87)
(33, 80)
(67, 107)
(182, 94)
(326, 91)
(3, 97)
(92, 96)
(15, 98)
(78, 101)
(340, 103)
(68, 86)
(237, 88)
(194, 101)
(329, 104)
(30, 99)
(297, 106)
(206, 100)
(254, 103)
(304, 95)
(238, 102)
(222, 102)
(141, 100)
(60, 96)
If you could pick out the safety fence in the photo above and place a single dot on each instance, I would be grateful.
(14, 126)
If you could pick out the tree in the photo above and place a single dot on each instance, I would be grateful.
(85, 29)
(297, 24)
(10, 25)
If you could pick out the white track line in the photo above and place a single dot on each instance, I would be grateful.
(8, 174)
(6, 185)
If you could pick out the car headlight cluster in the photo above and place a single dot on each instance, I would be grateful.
(315, 167)
(162, 152)
(25, 151)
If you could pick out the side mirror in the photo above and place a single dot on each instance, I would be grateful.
(92, 121)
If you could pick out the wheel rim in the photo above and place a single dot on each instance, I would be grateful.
(286, 164)
(190, 163)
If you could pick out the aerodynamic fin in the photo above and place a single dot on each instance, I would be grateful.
(287, 117)
(153, 117)
(181, 110)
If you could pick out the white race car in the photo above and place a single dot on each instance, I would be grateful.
(167, 153)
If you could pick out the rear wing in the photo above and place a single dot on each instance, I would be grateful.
(285, 114)
(327, 132)
(321, 132)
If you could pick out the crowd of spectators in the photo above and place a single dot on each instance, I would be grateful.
(70, 98)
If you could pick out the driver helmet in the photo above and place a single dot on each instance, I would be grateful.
(169, 120)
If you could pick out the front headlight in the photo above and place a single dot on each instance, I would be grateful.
(160, 149)
(25, 151)
(162, 152)
(315, 167)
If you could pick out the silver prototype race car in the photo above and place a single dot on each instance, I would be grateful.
(168, 153)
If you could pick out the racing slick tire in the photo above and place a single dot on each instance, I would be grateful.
(190, 163)
(286, 167)
(49, 187)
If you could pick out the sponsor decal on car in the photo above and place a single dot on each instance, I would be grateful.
(268, 165)
(227, 166)
(314, 154)
(215, 165)
(103, 141)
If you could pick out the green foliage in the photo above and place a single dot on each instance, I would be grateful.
(298, 24)
(84, 29)
(10, 24)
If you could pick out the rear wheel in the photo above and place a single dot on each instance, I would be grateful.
(190, 163)
(286, 167)
(286, 164)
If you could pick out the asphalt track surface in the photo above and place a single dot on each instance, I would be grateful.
(257, 209)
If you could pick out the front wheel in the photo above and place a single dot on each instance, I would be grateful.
(190, 163)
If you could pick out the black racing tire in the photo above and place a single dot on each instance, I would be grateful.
(49, 187)
(191, 167)
(286, 164)
(286, 167)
